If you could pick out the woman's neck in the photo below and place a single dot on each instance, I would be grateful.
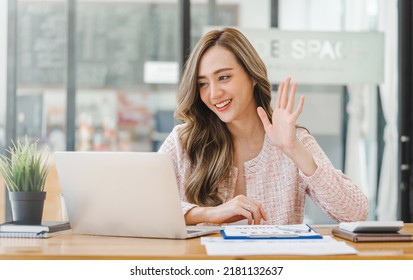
(248, 131)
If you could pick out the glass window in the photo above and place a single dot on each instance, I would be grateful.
(41, 70)
(127, 73)
(239, 13)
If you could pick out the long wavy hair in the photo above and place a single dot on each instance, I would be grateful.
(205, 138)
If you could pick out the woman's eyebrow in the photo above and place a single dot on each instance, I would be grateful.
(217, 72)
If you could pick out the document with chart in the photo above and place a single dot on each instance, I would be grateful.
(296, 231)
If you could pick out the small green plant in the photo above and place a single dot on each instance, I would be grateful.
(26, 169)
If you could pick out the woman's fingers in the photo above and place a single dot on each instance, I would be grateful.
(241, 206)
(279, 94)
(248, 215)
(264, 118)
(299, 109)
(255, 212)
(262, 211)
(284, 96)
(291, 98)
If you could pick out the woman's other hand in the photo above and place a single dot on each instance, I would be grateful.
(237, 209)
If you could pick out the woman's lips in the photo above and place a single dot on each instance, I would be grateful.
(223, 105)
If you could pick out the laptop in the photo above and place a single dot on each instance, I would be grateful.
(130, 194)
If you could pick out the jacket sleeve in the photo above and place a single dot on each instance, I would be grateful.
(181, 164)
(330, 189)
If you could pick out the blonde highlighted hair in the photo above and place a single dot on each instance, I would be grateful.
(205, 137)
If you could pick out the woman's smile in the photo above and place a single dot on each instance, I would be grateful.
(222, 106)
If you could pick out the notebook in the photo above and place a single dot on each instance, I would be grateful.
(131, 194)
(46, 226)
(46, 229)
(372, 237)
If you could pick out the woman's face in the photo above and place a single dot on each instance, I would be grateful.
(224, 85)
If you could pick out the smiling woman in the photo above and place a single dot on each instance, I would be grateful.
(219, 73)
(236, 157)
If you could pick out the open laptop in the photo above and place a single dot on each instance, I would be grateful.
(123, 194)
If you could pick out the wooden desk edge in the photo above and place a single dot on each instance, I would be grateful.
(405, 250)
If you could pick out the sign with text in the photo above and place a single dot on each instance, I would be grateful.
(330, 58)
(161, 72)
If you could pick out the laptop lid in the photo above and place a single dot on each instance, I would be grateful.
(121, 194)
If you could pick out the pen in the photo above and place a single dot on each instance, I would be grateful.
(294, 229)
(272, 235)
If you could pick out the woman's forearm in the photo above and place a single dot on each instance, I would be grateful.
(197, 215)
(303, 159)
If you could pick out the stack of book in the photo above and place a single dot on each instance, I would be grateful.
(46, 229)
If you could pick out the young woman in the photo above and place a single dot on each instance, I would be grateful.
(237, 158)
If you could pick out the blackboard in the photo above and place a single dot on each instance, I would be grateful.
(113, 40)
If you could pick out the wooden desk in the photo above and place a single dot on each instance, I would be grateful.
(70, 246)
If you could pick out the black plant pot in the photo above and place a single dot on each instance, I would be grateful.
(27, 207)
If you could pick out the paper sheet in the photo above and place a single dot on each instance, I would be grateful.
(217, 246)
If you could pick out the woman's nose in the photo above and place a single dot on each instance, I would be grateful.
(215, 91)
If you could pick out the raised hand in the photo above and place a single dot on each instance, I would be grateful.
(282, 130)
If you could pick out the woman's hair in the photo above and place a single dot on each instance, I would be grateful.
(205, 138)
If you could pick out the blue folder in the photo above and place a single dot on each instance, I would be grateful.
(301, 231)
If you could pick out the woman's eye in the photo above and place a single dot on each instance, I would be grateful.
(201, 85)
(221, 78)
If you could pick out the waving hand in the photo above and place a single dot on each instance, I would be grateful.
(282, 130)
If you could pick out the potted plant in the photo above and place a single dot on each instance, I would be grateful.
(24, 172)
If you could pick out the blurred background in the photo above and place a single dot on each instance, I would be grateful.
(102, 75)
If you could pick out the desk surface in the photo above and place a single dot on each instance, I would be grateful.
(70, 246)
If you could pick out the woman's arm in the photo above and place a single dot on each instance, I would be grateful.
(330, 189)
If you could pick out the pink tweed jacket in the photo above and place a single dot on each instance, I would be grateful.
(274, 180)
